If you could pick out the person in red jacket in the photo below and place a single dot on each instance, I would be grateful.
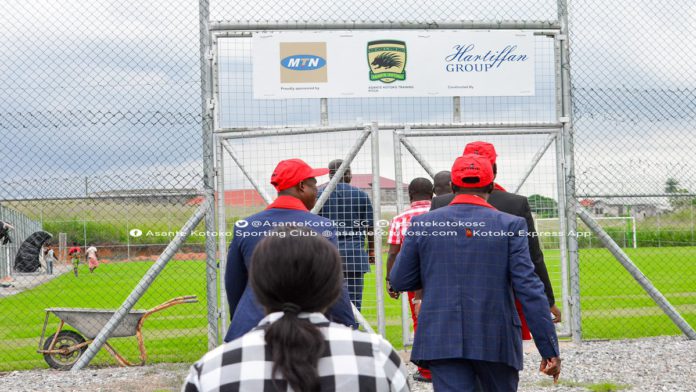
(74, 253)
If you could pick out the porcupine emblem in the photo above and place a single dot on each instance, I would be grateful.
(387, 60)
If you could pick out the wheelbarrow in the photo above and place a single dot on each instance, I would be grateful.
(65, 347)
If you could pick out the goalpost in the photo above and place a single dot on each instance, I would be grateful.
(547, 226)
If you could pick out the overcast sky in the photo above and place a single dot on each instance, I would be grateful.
(111, 90)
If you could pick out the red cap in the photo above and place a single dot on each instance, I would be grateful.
(474, 167)
(481, 148)
(291, 172)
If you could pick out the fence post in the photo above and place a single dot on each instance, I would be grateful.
(659, 233)
(207, 107)
(398, 178)
(377, 217)
(128, 236)
(568, 147)
(222, 230)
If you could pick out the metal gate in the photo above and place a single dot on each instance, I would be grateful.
(245, 161)
(253, 135)
(527, 164)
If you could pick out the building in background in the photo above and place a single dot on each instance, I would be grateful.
(387, 188)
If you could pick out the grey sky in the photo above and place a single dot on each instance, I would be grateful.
(111, 90)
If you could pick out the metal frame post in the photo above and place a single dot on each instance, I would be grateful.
(562, 196)
(456, 109)
(207, 112)
(141, 288)
(562, 242)
(569, 162)
(376, 218)
(222, 230)
(248, 133)
(324, 111)
(398, 177)
(128, 243)
(540, 26)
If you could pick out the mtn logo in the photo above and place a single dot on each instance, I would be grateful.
(303, 62)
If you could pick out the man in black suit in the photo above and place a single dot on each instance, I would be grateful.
(515, 205)
(442, 184)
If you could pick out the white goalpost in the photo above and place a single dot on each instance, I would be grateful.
(546, 226)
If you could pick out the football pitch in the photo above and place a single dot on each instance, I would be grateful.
(613, 304)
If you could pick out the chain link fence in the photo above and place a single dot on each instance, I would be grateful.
(633, 118)
(100, 121)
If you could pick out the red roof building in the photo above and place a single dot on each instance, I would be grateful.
(236, 198)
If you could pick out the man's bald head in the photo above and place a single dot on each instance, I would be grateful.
(442, 183)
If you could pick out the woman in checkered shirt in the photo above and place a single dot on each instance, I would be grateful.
(296, 276)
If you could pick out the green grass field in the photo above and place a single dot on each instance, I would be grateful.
(174, 335)
(613, 305)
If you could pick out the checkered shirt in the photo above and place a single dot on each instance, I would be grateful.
(352, 361)
(400, 223)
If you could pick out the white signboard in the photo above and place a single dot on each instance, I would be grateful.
(392, 63)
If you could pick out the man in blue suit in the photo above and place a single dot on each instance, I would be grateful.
(471, 261)
(297, 192)
(351, 210)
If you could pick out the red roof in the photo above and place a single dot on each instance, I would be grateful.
(236, 198)
(364, 181)
(587, 202)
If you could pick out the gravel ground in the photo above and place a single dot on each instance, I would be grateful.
(655, 364)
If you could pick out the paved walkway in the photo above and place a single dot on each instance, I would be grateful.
(24, 281)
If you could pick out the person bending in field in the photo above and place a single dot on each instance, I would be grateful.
(296, 276)
(74, 253)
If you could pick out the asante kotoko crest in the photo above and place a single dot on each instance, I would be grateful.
(387, 60)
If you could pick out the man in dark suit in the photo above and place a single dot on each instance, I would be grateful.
(441, 183)
(297, 192)
(516, 205)
(471, 260)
